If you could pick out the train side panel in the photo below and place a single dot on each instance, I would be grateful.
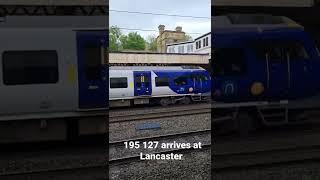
(121, 84)
(36, 90)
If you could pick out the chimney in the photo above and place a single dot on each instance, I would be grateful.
(161, 28)
(179, 29)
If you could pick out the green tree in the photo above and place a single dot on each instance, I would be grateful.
(152, 43)
(114, 38)
(133, 41)
(187, 37)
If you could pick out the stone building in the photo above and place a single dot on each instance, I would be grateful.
(168, 36)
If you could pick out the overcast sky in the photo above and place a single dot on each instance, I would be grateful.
(199, 8)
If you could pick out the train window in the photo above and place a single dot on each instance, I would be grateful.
(30, 67)
(278, 50)
(162, 81)
(229, 61)
(146, 80)
(92, 62)
(180, 81)
(297, 51)
(138, 81)
(318, 52)
(119, 82)
(142, 79)
(198, 77)
(202, 78)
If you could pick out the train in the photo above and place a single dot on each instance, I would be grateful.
(163, 85)
(264, 73)
(264, 62)
(53, 75)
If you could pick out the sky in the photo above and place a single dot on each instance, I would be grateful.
(199, 8)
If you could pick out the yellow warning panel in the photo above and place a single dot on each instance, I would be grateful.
(72, 73)
(131, 84)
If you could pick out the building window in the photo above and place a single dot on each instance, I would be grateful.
(181, 49)
(199, 44)
(162, 81)
(207, 41)
(190, 48)
(119, 82)
(204, 42)
(30, 67)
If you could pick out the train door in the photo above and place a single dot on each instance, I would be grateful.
(142, 83)
(200, 82)
(277, 68)
(197, 82)
(301, 70)
(93, 83)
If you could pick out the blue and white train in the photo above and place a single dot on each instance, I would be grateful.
(52, 69)
(263, 74)
(255, 62)
(158, 84)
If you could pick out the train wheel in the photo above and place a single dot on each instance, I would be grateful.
(164, 101)
(186, 100)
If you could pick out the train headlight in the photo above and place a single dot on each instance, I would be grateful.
(257, 88)
(191, 89)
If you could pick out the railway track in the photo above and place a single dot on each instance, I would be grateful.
(141, 114)
(53, 162)
(98, 171)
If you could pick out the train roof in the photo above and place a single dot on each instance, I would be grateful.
(71, 22)
(253, 23)
(155, 68)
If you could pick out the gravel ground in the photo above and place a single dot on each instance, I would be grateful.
(156, 109)
(51, 159)
(195, 166)
(127, 130)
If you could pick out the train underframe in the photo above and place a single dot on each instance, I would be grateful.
(52, 129)
(163, 101)
(246, 119)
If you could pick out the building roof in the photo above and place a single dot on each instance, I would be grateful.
(202, 36)
(179, 43)
(154, 68)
